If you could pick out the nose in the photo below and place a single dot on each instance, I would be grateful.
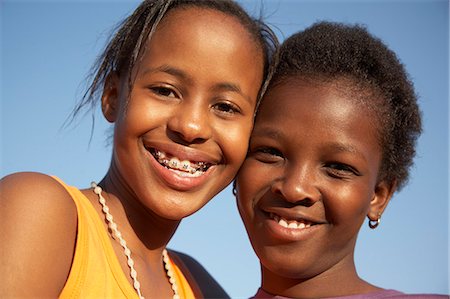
(298, 185)
(190, 123)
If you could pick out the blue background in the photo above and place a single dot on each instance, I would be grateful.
(48, 47)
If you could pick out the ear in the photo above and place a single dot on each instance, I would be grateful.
(382, 195)
(110, 97)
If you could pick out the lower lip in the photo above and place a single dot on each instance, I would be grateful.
(282, 233)
(177, 181)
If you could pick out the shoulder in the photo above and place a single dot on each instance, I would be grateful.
(25, 193)
(209, 287)
(29, 180)
(38, 227)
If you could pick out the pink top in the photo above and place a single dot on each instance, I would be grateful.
(374, 295)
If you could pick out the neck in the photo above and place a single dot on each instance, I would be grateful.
(150, 254)
(143, 230)
(340, 280)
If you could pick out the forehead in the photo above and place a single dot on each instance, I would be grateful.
(332, 98)
(188, 35)
(210, 23)
(302, 110)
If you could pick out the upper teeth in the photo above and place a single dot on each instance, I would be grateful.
(289, 223)
(183, 165)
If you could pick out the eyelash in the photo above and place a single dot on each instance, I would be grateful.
(223, 107)
(270, 151)
(164, 91)
(226, 108)
(341, 170)
(267, 154)
(336, 170)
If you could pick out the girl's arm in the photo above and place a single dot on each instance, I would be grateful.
(38, 226)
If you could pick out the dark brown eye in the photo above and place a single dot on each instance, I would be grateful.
(270, 151)
(164, 91)
(228, 108)
(341, 170)
(267, 154)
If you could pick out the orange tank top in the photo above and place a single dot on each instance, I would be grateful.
(95, 271)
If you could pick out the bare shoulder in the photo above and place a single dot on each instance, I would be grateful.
(34, 193)
(209, 287)
(38, 227)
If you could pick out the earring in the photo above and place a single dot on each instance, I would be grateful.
(234, 188)
(374, 223)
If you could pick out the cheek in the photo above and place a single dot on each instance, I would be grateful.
(251, 185)
(234, 141)
(141, 115)
(350, 208)
(244, 190)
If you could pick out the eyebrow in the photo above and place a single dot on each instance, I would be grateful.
(222, 86)
(228, 86)
(342, 147)
(339, 147)
(169, 70)
(268, 132)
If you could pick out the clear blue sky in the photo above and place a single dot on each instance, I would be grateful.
(48, 47)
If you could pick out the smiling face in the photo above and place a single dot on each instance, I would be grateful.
(309, 181)
(183, 132)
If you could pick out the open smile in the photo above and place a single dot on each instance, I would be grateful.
(180, 166)
(291, 223)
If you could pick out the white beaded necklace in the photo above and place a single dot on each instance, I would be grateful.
(115, 233)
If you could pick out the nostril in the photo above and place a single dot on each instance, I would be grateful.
(188, 139)
(276, 187)
(307, 202)
(184, 138)
(296, 192)
(189, 129)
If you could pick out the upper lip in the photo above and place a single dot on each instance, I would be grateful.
(294, 213)
(184, 152)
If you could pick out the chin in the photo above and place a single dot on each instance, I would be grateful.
(280, 263)
(179, 207)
